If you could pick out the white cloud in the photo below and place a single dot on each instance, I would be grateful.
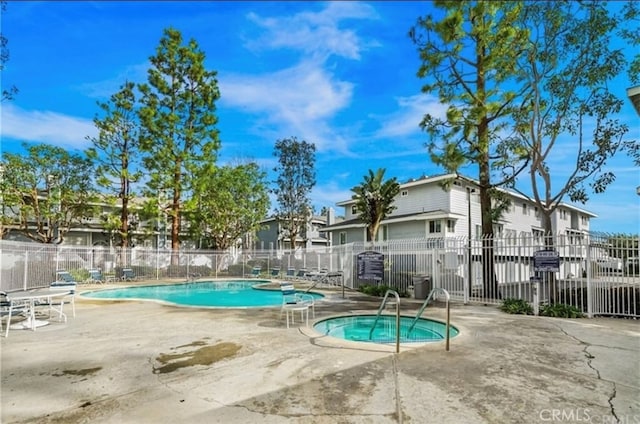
(329, 194)
(315, 33)
(301, 100)
(46, 127)
(406, 120)
(106, 88)
(298, 100)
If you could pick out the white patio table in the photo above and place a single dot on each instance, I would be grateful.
(29, 297)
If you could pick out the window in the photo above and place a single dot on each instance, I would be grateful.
(585, 220)
(354, 210)
(563, 214)
(497, 230)
(511, 237)
(385, 232)
(537, 236)
(451, 225)
(404, 193)
(524, 209)
(537, 212)
(343, 237)
(478, 231)
(435, 227)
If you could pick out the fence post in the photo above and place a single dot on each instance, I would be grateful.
(536, 296)
(467, 287)
(157, 264)
(26, 271)
(589, 288)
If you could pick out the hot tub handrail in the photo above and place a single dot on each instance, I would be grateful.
(424, 305)
(384, 301)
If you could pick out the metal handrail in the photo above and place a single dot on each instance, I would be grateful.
(424, 305)
(384, 301)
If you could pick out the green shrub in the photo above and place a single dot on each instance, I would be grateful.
(79, 274)
(560, 310)
(379, 291)
(516, 306)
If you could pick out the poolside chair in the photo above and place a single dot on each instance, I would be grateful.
(293, 301)
(64, 281)
(255, 272)
(302, 273)
(128, 274)
(275, 272)
(63, 276)
(9, 310)
(291, 272)
(95, 276)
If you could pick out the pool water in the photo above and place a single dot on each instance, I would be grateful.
(220, 294)
(358, 328)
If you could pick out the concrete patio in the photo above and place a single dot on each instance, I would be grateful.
(142, 362)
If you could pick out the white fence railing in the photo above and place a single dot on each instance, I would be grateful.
(598, 274)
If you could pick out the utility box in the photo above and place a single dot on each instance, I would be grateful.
(421, 286)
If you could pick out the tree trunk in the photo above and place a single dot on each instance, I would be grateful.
(489, 279)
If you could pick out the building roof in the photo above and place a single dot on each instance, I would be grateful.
(419, 216)
(443, 177)
(411, 183)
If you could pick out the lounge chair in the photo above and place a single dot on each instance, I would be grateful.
(65, 281)
(63, 276)
(275, 272)
(95, 276)
(128, 274)
(318, 275)
(291, 272)
(255, 272)
(302, 273)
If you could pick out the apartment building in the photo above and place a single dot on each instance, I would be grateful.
(448, 206)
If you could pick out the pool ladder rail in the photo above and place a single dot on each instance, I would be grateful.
(382, 305)
(413, 323)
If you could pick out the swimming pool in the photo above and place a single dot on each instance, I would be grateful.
(218, 294)
(358, 328)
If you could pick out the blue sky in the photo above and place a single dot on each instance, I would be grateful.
(341, 75)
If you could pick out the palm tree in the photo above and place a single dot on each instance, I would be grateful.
(374, 200)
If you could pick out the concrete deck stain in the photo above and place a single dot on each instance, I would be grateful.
(205, 355)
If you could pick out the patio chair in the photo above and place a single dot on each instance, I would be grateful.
(64, 281)
(293, 301)
(291, 272)
(128, 274)
(255, 272)
(275, 272)
(95, 276)
(302, 273)
(9, 310)
(63, 276)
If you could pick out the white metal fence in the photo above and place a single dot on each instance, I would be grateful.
(598, 274)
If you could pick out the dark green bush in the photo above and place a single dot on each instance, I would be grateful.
(236, 270)
(560, 310)
(379, 291)
(516, 306)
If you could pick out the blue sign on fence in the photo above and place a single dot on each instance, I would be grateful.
(546, 261)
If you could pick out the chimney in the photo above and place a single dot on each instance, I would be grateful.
(331, 216)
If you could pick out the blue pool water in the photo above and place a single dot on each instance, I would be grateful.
(221, 294)
(358, 327)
